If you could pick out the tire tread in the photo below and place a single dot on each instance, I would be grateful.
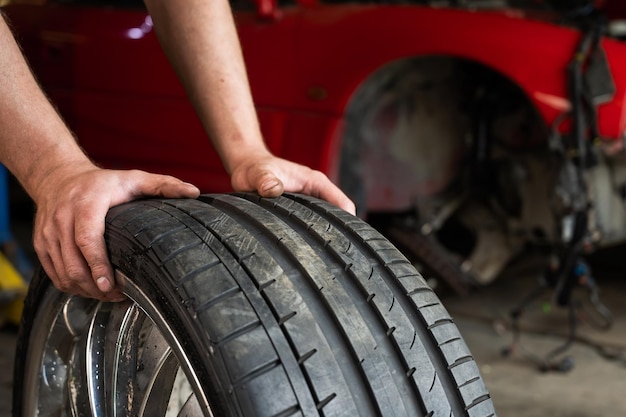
(296, 269)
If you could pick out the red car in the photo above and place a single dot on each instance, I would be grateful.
(465, 130)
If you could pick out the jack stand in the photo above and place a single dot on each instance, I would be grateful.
(579, 275)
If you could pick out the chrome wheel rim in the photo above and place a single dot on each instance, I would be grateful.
(89, 358)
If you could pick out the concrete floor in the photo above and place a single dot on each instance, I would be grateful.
(595, 386)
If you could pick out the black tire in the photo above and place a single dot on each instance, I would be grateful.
(271, 307)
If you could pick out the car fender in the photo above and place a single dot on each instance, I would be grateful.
(340, 47)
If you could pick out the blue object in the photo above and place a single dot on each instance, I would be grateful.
(5, 229)
(8, 245)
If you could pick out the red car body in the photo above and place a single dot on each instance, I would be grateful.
(320, 71)
(106, 72)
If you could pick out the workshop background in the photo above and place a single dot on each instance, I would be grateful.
(485, 138)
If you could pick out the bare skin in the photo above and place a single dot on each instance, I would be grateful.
(73, 195)
(201, 43)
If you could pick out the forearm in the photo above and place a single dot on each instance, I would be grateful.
(34, 141)
(202, 45)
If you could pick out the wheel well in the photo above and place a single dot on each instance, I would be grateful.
(411, 128)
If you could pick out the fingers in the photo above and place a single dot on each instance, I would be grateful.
(89, 240)
(334, 195)
(143, 184)
(70, 223)
(272, 176)
(319, 185)
(61, 257)
(268, 184)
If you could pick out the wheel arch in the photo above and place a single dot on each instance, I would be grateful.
(377, 89)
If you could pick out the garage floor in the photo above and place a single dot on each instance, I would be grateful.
(596, 384)
(593, 388)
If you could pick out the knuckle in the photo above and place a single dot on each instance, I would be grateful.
(41, 236)
(64, 285)
(74, 274)
(39, 247)
(85, 238)
(318, 176)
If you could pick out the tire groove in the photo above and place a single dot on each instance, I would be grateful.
(260, 288)
(204, 229)
(335, 216)
(207, 304)
(256, 373)
(352, 286)
(323, 313)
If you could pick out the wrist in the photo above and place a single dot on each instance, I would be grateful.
(240, 154)
(47, 178)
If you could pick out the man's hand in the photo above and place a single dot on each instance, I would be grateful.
(270, 176)
(202, 45)
(72, 204)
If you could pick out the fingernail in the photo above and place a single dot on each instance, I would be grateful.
(103, 284)
(269, 185)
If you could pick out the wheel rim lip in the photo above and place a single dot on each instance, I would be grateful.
(134, 292)
(51, 310)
